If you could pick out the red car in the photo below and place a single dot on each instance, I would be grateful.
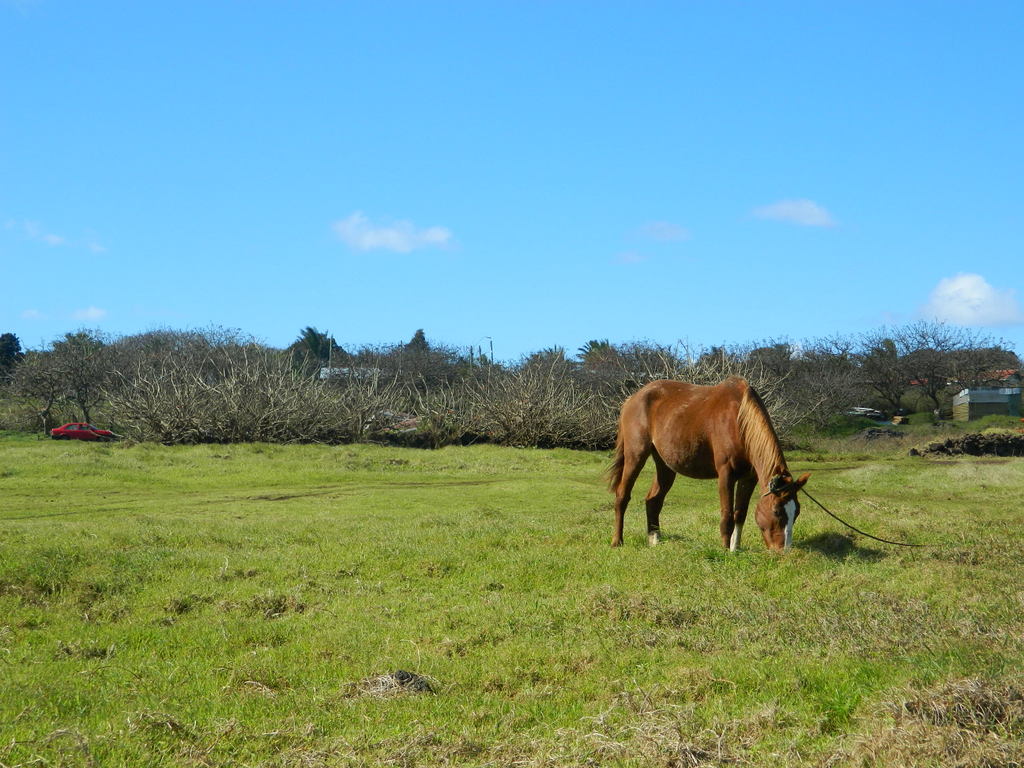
(81, 431)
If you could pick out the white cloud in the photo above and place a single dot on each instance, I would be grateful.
(90, 313)
(630, 257)
(359, 233)
(968, 299)
(21, 6)
(664, 231)
(32, 314)
(806, 213)
(36, 232)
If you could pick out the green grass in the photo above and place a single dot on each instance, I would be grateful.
(225, 605)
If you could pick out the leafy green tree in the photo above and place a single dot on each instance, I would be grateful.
(597, 353)
(601, 367)
(418, 342)
(10, 354)
(775, 357)
(883, 367)
(722, 357)
(81, 359)
(644, 361)
(548, 356)
(314, 350)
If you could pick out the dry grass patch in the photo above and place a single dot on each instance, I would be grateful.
(662, 727)
(84, 650)
(273, 605)
(972, 723)
(391, 684)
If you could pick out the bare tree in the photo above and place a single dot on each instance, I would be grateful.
(194, 389)
(938, 357)
(218, 385)
(979, 365)
(369, 402)
(825, 380)
(642, 362)
(418, 364)
(538, 405)
(38, 381)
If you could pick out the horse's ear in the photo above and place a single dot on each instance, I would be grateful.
(803, 479)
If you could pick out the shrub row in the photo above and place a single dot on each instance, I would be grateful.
(218, 386)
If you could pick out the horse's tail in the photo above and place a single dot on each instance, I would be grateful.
(614, 471)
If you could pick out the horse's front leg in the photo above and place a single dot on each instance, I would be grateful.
(744, 490)
(726, 492)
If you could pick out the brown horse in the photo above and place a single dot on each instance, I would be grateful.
(719, 432)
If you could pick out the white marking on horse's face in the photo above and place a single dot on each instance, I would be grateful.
(790, 508)
(734, 542)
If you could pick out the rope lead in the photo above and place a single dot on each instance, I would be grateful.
(858, 530)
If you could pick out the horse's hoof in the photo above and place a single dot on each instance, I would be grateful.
(652, 538)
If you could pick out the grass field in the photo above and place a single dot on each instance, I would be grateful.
(242, 605)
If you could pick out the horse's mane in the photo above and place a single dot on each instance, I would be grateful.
(758, 434)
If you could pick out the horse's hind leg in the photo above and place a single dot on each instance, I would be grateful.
(634, 459)
(656, 497)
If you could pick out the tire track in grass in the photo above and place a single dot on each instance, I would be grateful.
(337, 491)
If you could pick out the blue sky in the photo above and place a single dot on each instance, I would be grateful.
(523, 173)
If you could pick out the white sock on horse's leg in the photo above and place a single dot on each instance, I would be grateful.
(734, 542)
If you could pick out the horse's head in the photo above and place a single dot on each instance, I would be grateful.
(778, 509)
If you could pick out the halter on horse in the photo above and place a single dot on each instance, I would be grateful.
(722, 432)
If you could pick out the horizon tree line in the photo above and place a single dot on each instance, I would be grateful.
(216, 385)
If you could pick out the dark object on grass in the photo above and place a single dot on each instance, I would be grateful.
(394, 683)
(412, 681)
(992, 444)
